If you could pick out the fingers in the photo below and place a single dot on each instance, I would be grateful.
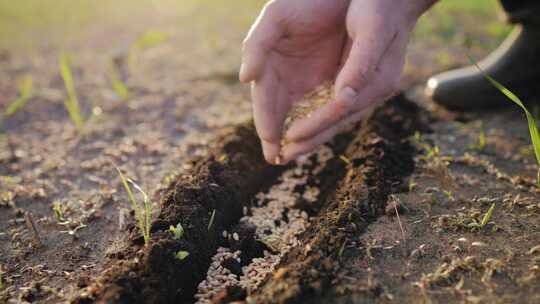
(357, 80)
(293, 150)
(383, 83)
(262, 36)
(269, 111)
(367, 50)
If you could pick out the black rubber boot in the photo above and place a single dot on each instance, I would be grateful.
(515, 64)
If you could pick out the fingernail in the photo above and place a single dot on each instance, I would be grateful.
(347, 96)
(278, 160)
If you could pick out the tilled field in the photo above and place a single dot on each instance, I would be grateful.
(261, 233)
(393, 211)
(366, 219)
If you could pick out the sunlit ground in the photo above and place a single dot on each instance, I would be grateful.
(59, 22)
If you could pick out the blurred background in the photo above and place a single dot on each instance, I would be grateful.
(144, 83)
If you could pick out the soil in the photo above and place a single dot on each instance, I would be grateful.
(397, 214)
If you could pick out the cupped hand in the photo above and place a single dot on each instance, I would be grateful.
(378, 33)
(292, 47)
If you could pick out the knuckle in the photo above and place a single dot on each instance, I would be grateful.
(269, 136)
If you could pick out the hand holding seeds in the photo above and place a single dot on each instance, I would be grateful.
(295, 46)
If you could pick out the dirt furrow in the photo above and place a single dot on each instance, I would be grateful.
(221, 182)
(379, 158)
(213, 192)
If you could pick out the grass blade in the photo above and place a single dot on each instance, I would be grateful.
(487, 216)
(143, 221)
(25, 93)
(118, 85)
(211, 219)
(150, 39)
(181, 255)
(72, 101)
(533, 129)
(178, 231)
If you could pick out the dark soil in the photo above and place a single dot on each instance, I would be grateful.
(380, 158)
(441, 180)
(227, 179)
(224, 181)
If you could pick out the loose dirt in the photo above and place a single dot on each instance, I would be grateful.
(389, 212)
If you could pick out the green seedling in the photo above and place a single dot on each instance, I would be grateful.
(211, 219)
(531, 121)
(412, 185)
(178, 231)
(417, 136)
(449, 195)
(481, 144)
(72, 101)
(25, 88)
(222, 158)
(487, 216)
(118, 85)
(57, 209)
(342, 248)
(149, 39)
(143, 214)
(181, 255)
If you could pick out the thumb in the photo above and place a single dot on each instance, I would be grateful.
(361, 65)
(260, 39)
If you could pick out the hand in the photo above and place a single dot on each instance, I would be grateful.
(375, 54)
(292, 47)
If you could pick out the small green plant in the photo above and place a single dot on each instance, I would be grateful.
(72, 101)
(487, 216)
(481, 144)
(412, 185)
(178, 231)
(25, 88)
(143, 216)
(211, 219)
(57, 209)
(342, 248)
(531, 121)
(149, 39)
(449, 196)
(181, 255)
(118, 85)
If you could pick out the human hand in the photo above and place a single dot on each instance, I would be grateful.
(292, 47)
(378, 32)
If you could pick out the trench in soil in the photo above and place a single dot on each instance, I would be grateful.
(334, 193)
